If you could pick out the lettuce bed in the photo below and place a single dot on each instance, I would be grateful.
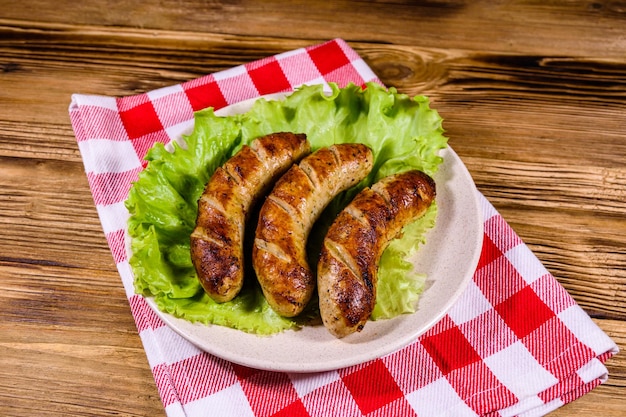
(404, 133)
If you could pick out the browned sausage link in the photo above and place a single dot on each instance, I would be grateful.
(217, 240)
(279, 252)
(348, 265)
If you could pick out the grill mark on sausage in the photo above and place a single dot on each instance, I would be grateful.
(288, 215)
(217, 242)
(359, 236)
(283, 205)
(272, 248)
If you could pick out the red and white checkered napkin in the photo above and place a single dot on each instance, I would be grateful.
(515, 343)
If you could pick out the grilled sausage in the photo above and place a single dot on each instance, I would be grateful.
(217, 240)
(348, 265)
(279, 252)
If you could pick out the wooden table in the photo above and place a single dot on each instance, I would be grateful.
(534, 100)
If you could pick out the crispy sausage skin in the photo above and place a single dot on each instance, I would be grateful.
(348, 265)
(279, 252)
(223, 208)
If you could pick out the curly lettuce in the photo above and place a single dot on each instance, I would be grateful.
(404, 133)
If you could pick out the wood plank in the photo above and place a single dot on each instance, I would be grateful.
(41, 377)
(481, 97)
(56, 316)
(607, 401)
(39, 196)
(532, 26)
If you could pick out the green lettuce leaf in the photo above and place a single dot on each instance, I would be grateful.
(404, 133)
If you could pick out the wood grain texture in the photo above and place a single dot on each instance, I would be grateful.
(533, 96)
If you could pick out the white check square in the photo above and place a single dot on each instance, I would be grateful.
(470, 305)
(103, 156)
(439, 399)
(230, 401)
(585, 330)
(307, 383)
(526, 263)
(519, 371)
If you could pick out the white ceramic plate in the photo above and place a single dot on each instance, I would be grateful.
(449, 259)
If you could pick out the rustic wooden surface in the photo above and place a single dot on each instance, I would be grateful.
(533, 94)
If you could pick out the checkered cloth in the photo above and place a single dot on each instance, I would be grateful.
(515, 343)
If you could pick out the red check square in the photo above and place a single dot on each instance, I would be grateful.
(144, 315)
(201, 375)
(332, 399)
(488, 333)
(399, 407)
(117, 244)
(167, 391)
(106, 123)
(450, 350)
(141, 120)
(501, 233)
(269, 78)
(490, 253)
(568, 384)
(524, 312)
(328, 57)
(107, 186)
(295, 409)
(372, 387)
(205, 95)
(579, 391)
(143, 144)
(562, 355)
(480, 389)
(244, 372)
(263, 386)
(499, 280)
(412, 367)
(345, 75)
(555, 296)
